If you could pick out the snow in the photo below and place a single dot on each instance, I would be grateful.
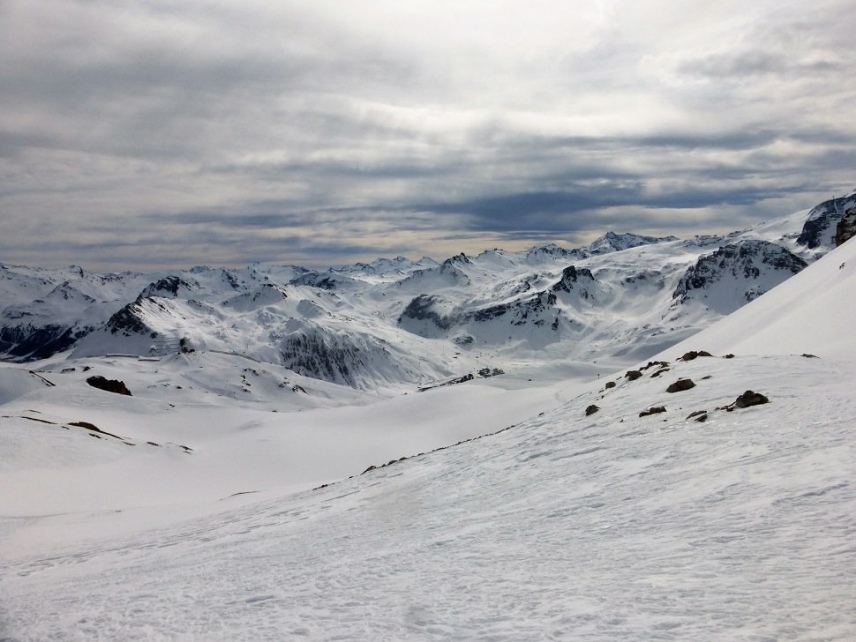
(612, 527)
(553, 525)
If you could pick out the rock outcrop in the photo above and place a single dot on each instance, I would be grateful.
(680, 385)
(846, 228)
(109, 385)
(819, 229)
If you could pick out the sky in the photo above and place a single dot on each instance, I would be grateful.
(151, 135)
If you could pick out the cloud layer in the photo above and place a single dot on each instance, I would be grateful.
(161, 134)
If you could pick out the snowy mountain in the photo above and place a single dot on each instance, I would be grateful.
(395, 323)
(684, 497)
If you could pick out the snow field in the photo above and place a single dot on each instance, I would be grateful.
(566, 527)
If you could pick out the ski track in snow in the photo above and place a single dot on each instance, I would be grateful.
(610, 527)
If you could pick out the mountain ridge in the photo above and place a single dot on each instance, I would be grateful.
(620, 298)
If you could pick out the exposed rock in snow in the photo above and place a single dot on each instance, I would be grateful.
(846, 228)
(818, 232)
(108, 385)
(736, 274)
(170, 286)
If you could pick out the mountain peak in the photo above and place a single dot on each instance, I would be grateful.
(615, 242)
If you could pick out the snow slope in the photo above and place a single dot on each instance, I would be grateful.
(562, 526)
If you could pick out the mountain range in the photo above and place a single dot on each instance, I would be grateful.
(396, 322)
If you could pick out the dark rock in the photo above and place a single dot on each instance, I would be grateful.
(93, 428)
(750, 398)
(659, 372)
(633, 375)
(84, 424)
(110, 385)
(810, 356)
(422, 309)
(693, 354)
(491, 372)
(846, 228)
(129, 321)
(167, 287)
(819, 229)
(570, 276)
(27, 342)
(697, 413)
(337, 357)
(323, 281)
(653, 410)
(680, 385)
(651, 364)
(609, 384)
(591, 410)
(728, 356)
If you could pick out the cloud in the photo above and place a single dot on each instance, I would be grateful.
(146, 134)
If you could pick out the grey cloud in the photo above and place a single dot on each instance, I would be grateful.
(755, 63)
(162, 132)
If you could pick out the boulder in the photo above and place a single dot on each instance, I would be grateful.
(653, 410)
(110, 385)
(692, 354)
(750, 398)
(591, 410)
(680, 385)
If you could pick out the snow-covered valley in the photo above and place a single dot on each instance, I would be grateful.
(237, 495)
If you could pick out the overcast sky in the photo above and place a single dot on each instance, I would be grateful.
(153, 134)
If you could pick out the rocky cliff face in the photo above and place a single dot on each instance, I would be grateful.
(432, 316)
(818, 231)
(846, 228)
(28, 342)
(736, 274)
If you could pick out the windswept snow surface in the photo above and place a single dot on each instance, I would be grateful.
(565, 526)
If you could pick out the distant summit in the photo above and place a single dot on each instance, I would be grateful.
(614, 242)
